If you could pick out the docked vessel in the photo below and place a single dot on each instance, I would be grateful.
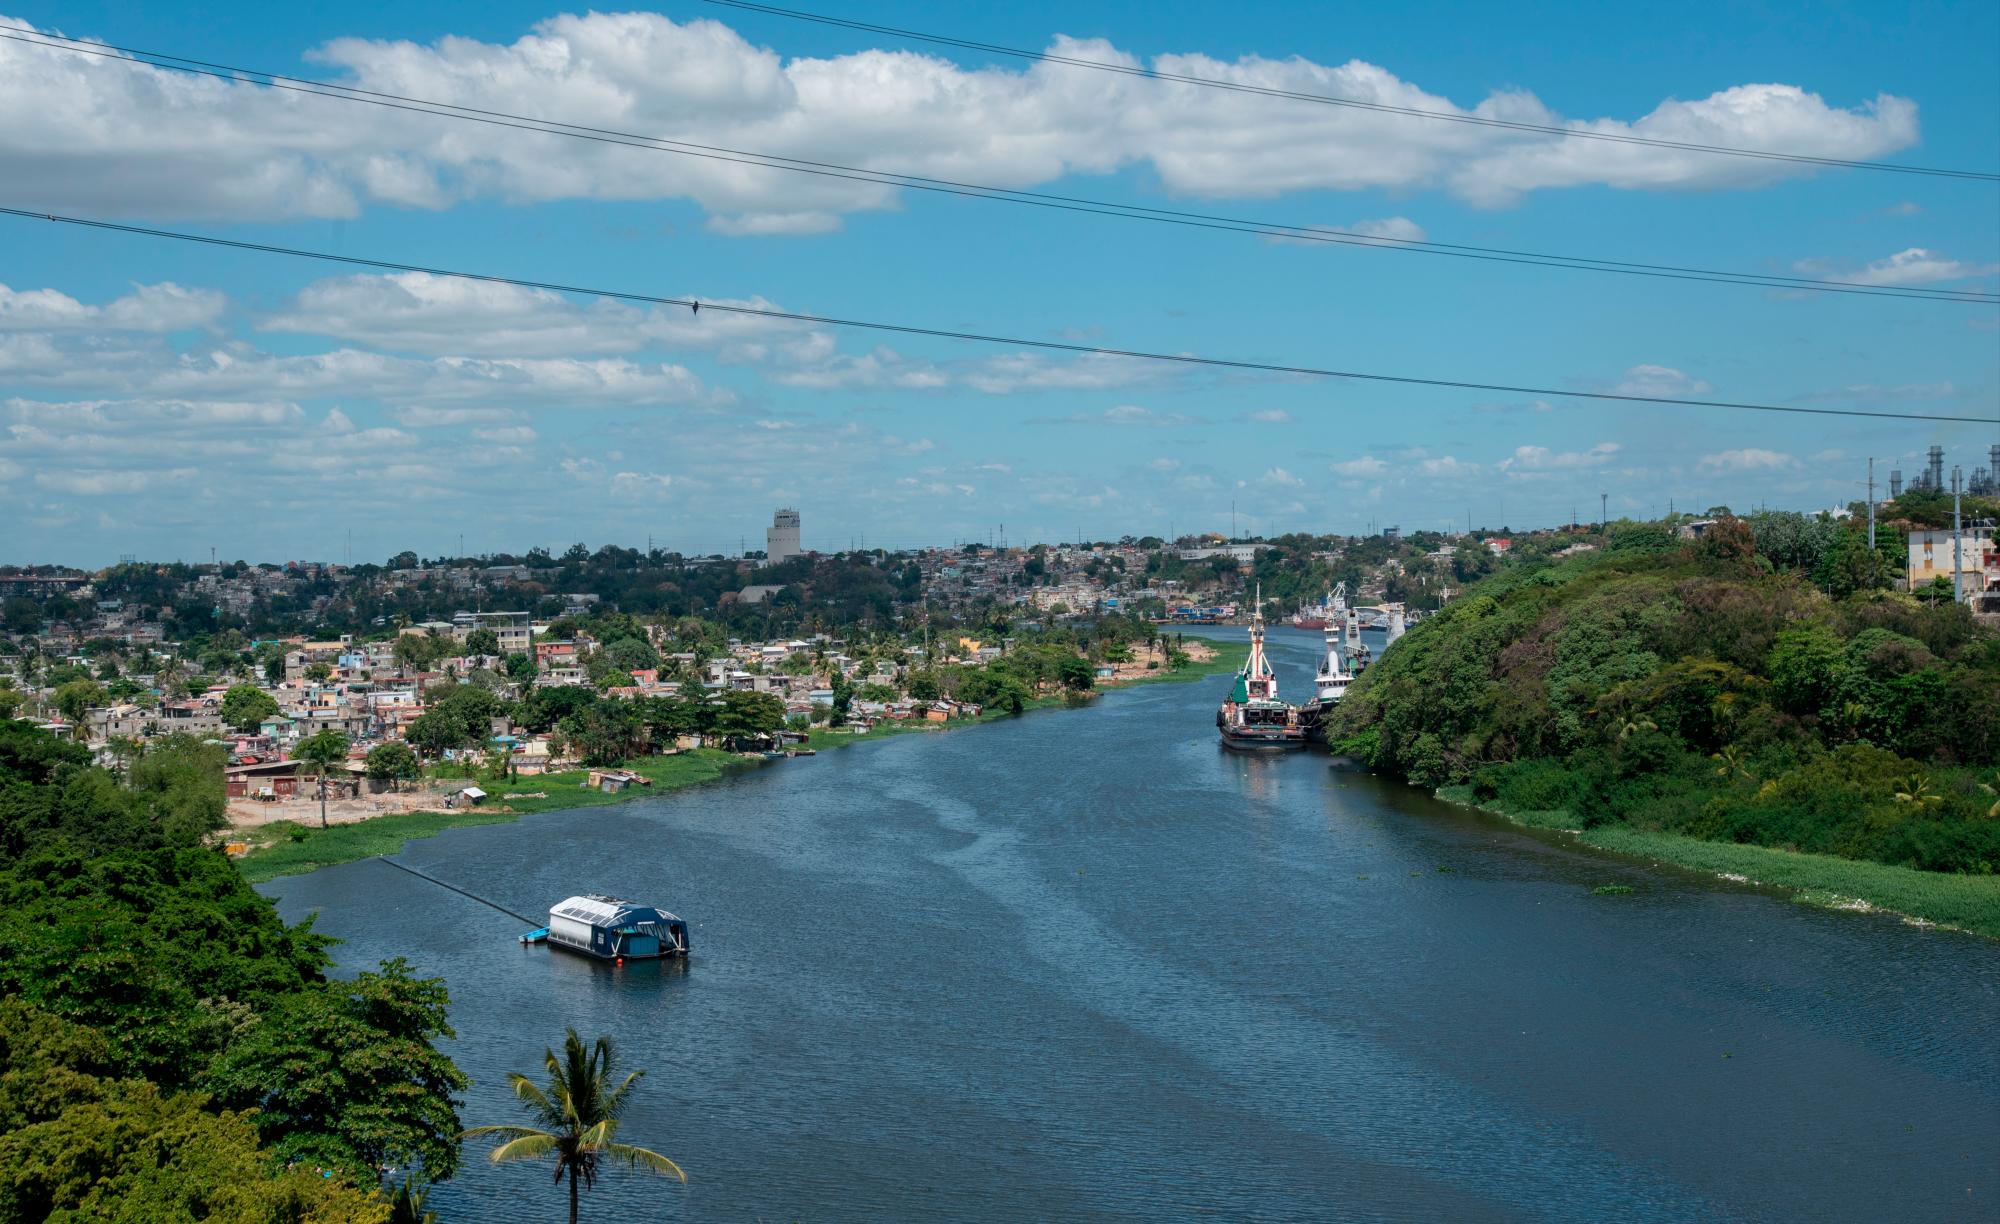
(613, 929)
(1329, 686)
(1251, 718)
(1322, 614)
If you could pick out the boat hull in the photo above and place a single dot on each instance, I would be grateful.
(1263, 739)
(1308, 622)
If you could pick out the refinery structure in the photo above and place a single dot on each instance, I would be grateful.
(1985, 481)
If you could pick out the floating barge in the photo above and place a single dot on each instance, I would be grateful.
(613, 929)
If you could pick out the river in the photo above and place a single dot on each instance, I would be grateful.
(1085, 964)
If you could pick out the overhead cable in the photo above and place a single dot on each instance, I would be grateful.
(696, 305)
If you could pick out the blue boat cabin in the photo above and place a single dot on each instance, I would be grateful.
(613, 929)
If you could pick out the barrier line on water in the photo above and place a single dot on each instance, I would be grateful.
(455, 888)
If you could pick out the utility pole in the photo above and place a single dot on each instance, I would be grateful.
(1871, 503)
(1603, 511)
(1957, 535)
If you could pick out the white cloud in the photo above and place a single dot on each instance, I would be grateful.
(1659, 380)
(641, 485)
(1749, 459)
(1389, 229)
(1366, 465)
(1542, 459)
(1124, 415)
(1279, 476)
(148, 308)
(1269, 416)
(133, 140)
(418, 312)
(1915, 266)
(1447, 465)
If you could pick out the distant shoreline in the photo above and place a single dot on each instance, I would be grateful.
(299, 849)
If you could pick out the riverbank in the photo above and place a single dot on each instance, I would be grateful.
(1954, 901)
(284, 847)
(1224, 657)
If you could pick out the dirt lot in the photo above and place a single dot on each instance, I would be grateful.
(250, 813)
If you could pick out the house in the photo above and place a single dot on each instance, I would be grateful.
(1498, 545)
(1931, 556)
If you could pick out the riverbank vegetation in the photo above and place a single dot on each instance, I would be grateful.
(1758, 687)
(173, 1049)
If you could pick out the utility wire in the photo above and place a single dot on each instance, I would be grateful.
(1357, 103)
(696, 305)
(1195, 220)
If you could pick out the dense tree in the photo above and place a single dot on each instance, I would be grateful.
(347, 1076)
(1691, 689)
(393, 762)
(245, 707)
(748, 716)
(140, 975)
(76, 697)
(482, 642)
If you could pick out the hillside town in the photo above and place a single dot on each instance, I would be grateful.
(411, 672)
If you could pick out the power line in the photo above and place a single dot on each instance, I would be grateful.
(1195, 220)
(908, 329)
(1356, 103)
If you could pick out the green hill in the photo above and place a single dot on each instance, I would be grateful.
(1757, 689)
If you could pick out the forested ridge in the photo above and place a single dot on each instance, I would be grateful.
(1760, 686)
(173, 1050)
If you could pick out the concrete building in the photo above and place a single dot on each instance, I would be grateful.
(1931, 558)
(781, 541)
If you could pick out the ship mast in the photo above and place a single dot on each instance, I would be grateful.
(1259, 683)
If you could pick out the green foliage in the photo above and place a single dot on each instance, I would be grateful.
(76, 697)
(604, 732)
(482, 642)
(140, 973)
(245, 707)
(323, 749)
(1700, 692)
(347, 1077)
(393, 762)
(134, 1153)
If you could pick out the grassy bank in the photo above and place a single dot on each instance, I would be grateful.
(1963, 902)
(286, 848)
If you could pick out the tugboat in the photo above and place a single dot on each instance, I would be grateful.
(1252, 719)
(1329, 686)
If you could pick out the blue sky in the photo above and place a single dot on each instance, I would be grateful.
(159, 399)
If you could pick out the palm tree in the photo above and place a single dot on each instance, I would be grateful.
(1916, 789)
(1993, 788)
(1732, 762)
(1633, 726)
(578, 1116)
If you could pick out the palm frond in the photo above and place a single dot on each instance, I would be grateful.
(532, 1146)
(644, 1158)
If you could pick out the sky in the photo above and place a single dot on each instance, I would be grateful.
(160, 399)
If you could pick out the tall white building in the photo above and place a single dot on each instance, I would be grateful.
(781, 541)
